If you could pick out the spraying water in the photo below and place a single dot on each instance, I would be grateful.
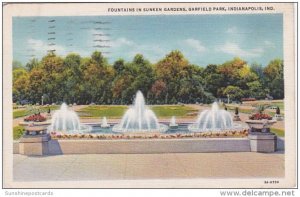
(139, 118)
(173, 122)
(104, 123)
(214, 119)
(67, 120)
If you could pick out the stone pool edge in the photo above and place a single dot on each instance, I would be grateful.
(134, 146)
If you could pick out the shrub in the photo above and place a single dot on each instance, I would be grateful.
(18, 131)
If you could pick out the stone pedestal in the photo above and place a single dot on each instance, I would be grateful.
(262, 142)
(278, 117)
(34, 144)
(236, 118)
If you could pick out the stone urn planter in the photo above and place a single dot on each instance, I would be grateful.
(278, 116)
(236, 116)
(260, 125)
(35, 141)
(261, 139)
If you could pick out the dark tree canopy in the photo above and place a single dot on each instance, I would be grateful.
(173, 79)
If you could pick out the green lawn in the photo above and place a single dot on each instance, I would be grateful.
(163, 111)
(254, 104)
(113, 111)
(20, 113)
(241, 110)
(25, 112)
(18, 132)
(279, 104)
(278, 132)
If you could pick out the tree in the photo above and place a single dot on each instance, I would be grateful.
(18, 72)
(20, 84)
(33, 63)
(36, 85)
(274, 78)
(171, 80)
(16, 64)
(132, 76)
(235, 73)
(119, 65)
(171, 70)
(235, 93)
(212, 79)
(97, 78)
(256, 90)
(258, 70)
(73, 78)
(158, 89)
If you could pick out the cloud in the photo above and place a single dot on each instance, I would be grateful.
(232, 30)
(40, 47)
(121, 42)
(116, 43)
(234, 49)
(127, 49)
(269, 44)
(150, 52)
(195, 44)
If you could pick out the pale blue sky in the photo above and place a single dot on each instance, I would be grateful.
(203, 39)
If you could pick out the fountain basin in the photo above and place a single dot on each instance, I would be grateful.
(234, 127)
(170, 134)
(175, 126)
(119, 128)
(142, 146)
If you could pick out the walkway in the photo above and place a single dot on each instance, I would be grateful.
(147, 166)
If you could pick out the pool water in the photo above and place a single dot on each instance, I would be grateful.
(97, 129)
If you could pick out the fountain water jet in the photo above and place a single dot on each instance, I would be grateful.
(66, 120)
(139, 118)
(104, 123)
(173, 124)
(214, 119)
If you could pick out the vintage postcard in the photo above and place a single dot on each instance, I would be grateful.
(149, 95)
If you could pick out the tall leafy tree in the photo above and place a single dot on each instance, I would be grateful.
(97, 79)
(274, 78)
(20, 84)
(33, 63)
(171, 70)
(73, 78)
(171, 80)
(132, 76)
(212, 79)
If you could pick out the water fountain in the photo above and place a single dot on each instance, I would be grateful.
(104, 123)
(66, 120)
(139, 118)
(173, 124)
(213, 120)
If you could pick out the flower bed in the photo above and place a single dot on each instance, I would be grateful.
(248, 99)
(35, 118)
(260, 116)
(242, 133)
